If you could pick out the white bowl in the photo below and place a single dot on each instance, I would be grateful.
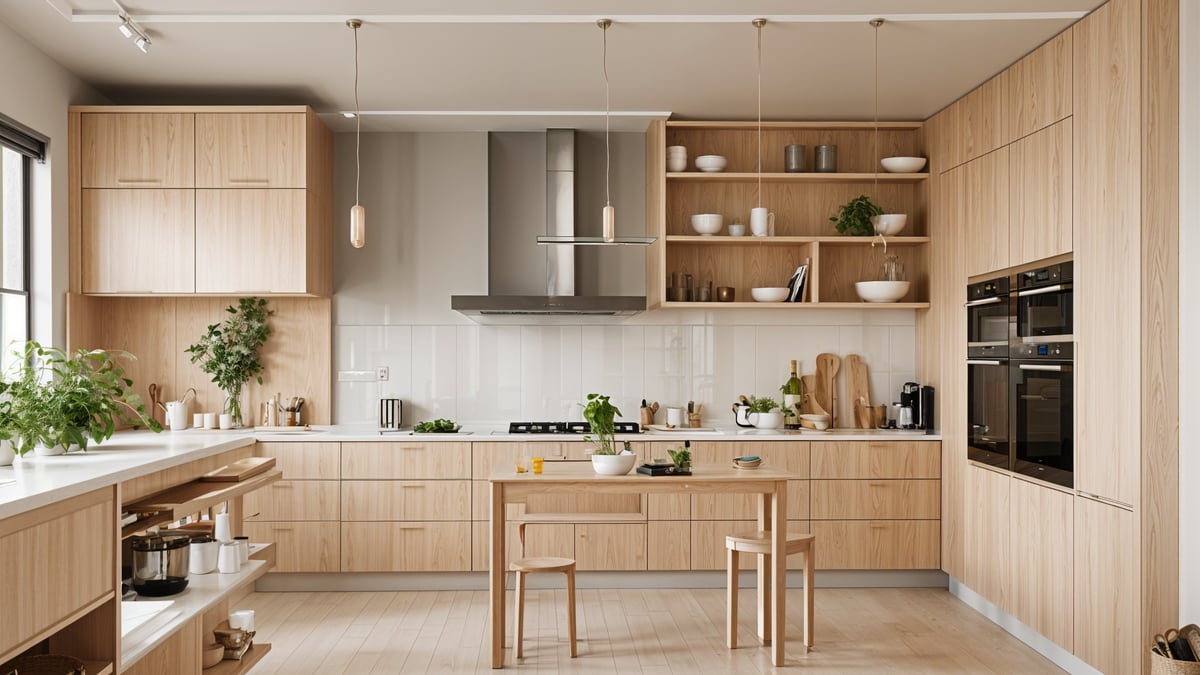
(767, 420)
(903, 164)
(707, 223)
(820, 422)
(769, 294)
(889, 223)
(710, 163)
(613, 465)
(881, 291)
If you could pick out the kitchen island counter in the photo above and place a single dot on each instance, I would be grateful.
(479, 433)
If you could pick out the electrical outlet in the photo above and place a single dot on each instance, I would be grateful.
(381, 373)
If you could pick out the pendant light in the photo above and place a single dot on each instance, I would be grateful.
(758, 26)
(358, 215)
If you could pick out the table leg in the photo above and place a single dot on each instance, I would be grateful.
(764, 573)
(496, 572)
(779, 571)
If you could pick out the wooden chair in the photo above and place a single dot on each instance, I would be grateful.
(538, 565)
(760, 544)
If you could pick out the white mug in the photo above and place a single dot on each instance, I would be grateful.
(202, 556)
(762, 222)
(243, 543)
(226, 421)
(674, 417)
(228, 560)
(210, 420)
(177, 415)
(198, 421)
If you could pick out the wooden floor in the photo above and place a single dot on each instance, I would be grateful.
(623, 631)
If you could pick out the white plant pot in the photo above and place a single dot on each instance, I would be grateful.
(43, 451)
(613, 465)
(6, 453)
(767, 420)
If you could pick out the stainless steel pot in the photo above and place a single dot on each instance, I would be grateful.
(160, 563)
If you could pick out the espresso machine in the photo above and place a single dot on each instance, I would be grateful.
(920, 400)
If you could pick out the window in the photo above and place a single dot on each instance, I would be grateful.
(19, 147)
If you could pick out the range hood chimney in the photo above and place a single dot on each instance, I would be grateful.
(514, 257)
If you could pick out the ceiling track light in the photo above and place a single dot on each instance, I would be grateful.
(131, 30)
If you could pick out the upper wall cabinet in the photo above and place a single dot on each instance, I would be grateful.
(250, 150)
(1040, 222)
(981, 122)
(1039, 88)
(137, 150)
(985, 212)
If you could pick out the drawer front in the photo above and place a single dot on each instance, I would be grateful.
(790, 456)
(405, 461)
(669, 545)
(878, 459)
(876, 499)
(745, 507)
(877, 544)
(708, 543)
(585, 506)
(294, 500)
(541, 539)
(406, 500)
(610, 546)
(305, 461)
(487, 456)
(406, 547)
(300, 547)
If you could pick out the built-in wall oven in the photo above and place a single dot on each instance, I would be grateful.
(1042, 406)
(989, 331)
(1044, 305)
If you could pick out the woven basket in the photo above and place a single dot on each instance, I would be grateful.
(48, 664)
(1161, 665)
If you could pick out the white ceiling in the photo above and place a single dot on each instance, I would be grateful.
(693, 58)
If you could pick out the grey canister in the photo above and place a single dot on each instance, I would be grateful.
(826, 159)
(793, 159)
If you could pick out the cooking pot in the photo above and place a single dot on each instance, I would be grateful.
(160, 563)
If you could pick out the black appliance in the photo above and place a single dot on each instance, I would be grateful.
(910, 397)
(990, 322)
(568, 428)
(1043, 403)
(1043, 305)
(925, 420)
(990, 327)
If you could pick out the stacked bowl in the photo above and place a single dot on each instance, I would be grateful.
(747, 462)
(676, 158)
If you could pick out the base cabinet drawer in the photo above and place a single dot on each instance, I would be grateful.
(406, 500)
(878, 544)
(406, 547)
(610, 546)
(541, 539)
(395, 460)
(304, 461)
(745, 506)
(294, 500)
(708, 542)
(669, 545)
(876, 499)
(179, 654)
(300, 547)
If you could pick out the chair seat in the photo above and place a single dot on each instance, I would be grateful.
(542, 564)
(760, 543)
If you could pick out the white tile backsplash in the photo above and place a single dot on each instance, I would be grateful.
(551, 384)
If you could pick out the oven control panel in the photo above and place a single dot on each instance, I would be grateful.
(1043, 350)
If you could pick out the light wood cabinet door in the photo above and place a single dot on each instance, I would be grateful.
(876, 499)
(250, 241)
(300, 547)
(981, 124)
(986, 554)
(541, 539)
(610, 546)
(1040, 224)
(792, 456)
(883, 459)
(668, 545)
(294, 500)
(406, 547)
(406, 500)
(708, 542)
(985, 204)
(250, 150)
(1039, 88)
(137, 150)
(304, 461)
(1042, 569)
(405, 461)
(138, 241)
(877, 544)
(178, 653)
(1106, 587)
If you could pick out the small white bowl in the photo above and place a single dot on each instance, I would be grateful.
(769, 293)
(613, 465)
(710, 163)
(707, 223)
(819, 422)
(737, 230)
(881, 291)
(903, 164)
(889, 223)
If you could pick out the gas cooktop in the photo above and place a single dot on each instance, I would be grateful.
(567, 427)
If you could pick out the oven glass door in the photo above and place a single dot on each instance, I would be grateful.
(988, 322)
(1043, 429)
(1045, 313)
(987, 412)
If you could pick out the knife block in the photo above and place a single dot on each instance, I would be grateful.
(647, 417)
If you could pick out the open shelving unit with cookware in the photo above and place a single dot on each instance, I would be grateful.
(802, 204)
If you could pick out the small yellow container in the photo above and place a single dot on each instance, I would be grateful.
(537, 464)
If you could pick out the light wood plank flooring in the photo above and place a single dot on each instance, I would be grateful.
(627, 630)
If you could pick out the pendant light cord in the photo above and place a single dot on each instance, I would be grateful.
(357, 120)
(876, 23)
(604, 65)
(758, 25)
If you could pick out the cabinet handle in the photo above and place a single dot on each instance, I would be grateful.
(139, 181)
(876, 483)
(1045, 368)
(250, 181)
(1042, 291)
(404, 526)
(284, 484)
(985, 301)
(412, 487)
(282, 528)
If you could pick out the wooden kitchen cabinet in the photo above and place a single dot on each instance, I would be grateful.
(610, 546)
(304, 461)
(876, 499)
(178, 654)
(302, 513)
(137, 150)
(668, 545)
(1105, 588)
(250, 150)
(406, 546)
(1040, 216)
(312, 546)
(541, 539)
(238, 231)
(982, 123)
(385, 460)
(1041, 547)
(708, 542)
(790, 456)
(881, 459)
(987, 555)
(294, 500)
(877, 544)
(985, 206)
(138, 241)
(406, 500)
(1038, 88)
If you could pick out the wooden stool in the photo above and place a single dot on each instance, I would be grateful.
(539, 565)
(760, 544)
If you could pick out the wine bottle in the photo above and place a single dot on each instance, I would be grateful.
(793, 393)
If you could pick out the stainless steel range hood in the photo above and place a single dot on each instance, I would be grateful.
(519, 270)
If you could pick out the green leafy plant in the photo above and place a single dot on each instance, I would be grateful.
(600, 414)
(762, 404)
(53, 398)
(229, 350)
(682, 457)
(855, 216)
(438, 426)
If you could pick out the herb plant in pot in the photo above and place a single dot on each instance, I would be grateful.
(600, 415)
(854, 218)
(765, 413)
(229, 351)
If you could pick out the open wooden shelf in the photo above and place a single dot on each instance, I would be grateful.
(98, 667)
(189, 498)
(835, 240)
(798, 306)
(250, 659)
(144, 523)
(742, 177)
(808, 126)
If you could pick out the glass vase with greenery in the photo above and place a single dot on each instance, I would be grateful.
(600, 415)
(229, 351)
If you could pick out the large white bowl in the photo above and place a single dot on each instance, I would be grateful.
(903, 164)
(707, 223)
(710, 163)
(889, 223)
(881, 291)
(613, 465)
(769, 293)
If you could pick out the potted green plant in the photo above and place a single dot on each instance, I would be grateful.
(682, 458)
(56, 402)
(854, 218)
(229, 351)
(765, 413)
(601, 414)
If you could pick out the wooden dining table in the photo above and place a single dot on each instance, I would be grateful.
(510, 487)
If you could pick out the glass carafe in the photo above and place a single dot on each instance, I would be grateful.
(892, 269)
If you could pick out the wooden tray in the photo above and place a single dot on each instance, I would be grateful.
(240, 470)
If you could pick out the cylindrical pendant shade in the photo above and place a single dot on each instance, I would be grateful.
(610, 223)
(358, 226)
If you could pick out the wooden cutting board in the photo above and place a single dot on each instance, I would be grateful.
(858, 388)
(827, 369)
(240, 470)
(809, 382)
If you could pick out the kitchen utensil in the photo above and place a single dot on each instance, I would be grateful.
(725, 294)
(858, 387)
(826, 159)
(160, 563)
(881, 291)
(210, 420)
(903, 164)
(391, 412)
(243, 544)
(827, 369)
(820, 422)
(769, 293)
(710, 163)
(242, 619)
(225, 421)
(809, 383)
(694, 420)
(674, 417)
(152, 393)
(793, 158)
(707, 224)
(176, 415)
(889, 223)
(762, 222)
(198, 420)
(741, 412)
(879, 416)
(704, 293)
(202, 554)
(893, 415)
(229, 559)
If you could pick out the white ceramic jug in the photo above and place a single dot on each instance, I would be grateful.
(177, 413)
